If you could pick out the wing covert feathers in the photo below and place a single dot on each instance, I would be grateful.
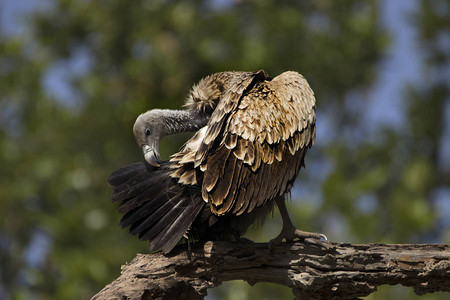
(254, 144)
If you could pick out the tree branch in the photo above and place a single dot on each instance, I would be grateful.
(314, 270)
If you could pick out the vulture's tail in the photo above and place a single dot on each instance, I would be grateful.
(154, 204)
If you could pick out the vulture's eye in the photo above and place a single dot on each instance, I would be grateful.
(147, 132)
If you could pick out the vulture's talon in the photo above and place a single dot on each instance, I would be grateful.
(290, 233)
(302, 235)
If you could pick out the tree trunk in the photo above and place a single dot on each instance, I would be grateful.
(314, 270)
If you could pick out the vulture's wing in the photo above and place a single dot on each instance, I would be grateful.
(254, 143)
(242, 82)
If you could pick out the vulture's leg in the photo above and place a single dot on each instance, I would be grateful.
(289, 232)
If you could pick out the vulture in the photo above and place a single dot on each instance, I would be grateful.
(251, 136)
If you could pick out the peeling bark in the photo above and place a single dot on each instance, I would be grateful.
(314, 270)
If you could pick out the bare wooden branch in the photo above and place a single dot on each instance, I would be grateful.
(314, 270)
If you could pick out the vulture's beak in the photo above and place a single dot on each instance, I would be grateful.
(151, 155)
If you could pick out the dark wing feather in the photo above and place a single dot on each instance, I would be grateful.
(170, 235)
(156, 217)
(156, 206)
(145, 211)
(124, 174)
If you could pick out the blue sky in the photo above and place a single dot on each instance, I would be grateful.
(403, 63)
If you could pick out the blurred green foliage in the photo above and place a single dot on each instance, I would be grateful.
(59, 237)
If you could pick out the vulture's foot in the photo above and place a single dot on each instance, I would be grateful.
(289, 233)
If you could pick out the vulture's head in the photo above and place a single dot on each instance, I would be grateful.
(148, 130)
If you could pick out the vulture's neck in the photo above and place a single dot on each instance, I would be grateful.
(177, 121)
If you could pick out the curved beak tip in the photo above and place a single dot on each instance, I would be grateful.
(151, 156)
